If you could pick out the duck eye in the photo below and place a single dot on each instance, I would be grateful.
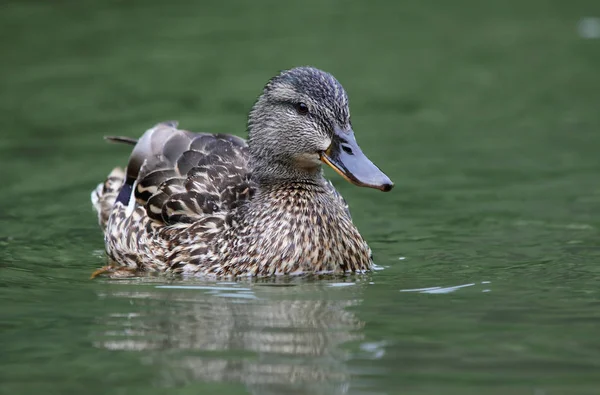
(301, 108)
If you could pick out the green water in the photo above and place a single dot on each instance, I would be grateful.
(485, 114)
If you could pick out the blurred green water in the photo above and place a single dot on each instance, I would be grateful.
(485, 114)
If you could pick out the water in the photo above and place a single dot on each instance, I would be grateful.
(485, 116)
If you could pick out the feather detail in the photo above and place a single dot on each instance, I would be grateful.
(121, 140)
(181, 176)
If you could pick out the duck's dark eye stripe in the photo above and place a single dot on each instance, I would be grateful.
(347, 149)
(301, 108)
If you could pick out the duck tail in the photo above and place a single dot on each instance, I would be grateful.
(147, 150)
(121, 140)
(105, 195)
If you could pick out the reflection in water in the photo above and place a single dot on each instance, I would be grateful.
(445, 290)
(272, 339)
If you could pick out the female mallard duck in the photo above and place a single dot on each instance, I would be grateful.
(210, 204)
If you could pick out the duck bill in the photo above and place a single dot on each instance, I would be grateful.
(347, 159)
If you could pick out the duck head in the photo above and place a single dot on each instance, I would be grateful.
(302, 120)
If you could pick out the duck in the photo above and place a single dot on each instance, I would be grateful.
(217, 205)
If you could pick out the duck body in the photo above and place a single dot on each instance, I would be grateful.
(214, 205)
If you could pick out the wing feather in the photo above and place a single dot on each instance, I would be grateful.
(181, 177)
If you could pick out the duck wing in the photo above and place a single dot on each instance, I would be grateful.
(180, 176)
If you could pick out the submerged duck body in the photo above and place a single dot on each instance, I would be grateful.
(216, 205)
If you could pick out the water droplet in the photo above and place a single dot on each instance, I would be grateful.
(589, 27)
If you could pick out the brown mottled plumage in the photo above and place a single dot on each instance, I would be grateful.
(210, 204)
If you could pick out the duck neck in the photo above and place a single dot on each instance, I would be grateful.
(280, 173)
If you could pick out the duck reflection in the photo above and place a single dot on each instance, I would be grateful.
(269, 337)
